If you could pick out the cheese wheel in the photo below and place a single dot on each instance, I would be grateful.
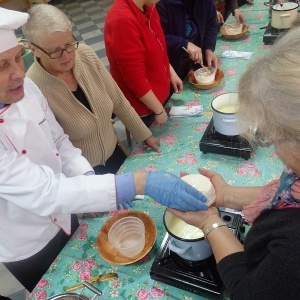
(203, 185)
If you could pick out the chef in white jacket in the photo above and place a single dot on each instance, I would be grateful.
(42, 176)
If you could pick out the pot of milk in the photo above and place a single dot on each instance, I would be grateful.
(186, 240)
(225, 108)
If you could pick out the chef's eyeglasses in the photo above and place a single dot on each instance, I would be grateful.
(58, 53)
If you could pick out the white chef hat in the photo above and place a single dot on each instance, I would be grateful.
(9, 21)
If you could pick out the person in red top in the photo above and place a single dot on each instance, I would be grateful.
(136, 50)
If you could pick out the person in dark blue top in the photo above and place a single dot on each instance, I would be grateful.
(192, 25)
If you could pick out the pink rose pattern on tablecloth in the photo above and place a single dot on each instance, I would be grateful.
(42, 283)
(154, 293)
(40, 295)
(85, 275)
(89, 263)
(76, 266)
(82, 226)
(143, 294)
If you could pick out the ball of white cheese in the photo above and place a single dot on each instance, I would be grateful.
(203, 185)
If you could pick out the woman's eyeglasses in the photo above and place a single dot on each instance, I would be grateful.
(58, 53)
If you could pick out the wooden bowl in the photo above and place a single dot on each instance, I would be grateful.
(109, 253)
(219, 76)
(245, 29)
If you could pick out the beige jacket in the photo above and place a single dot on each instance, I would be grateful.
(92, 132)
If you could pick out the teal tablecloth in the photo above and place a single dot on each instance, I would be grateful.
(28, 59)
(179, 138)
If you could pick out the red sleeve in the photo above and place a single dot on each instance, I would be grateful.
(128, 52)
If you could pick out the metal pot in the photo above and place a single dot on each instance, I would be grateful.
(193, 249)
(72, 296)
(226, 122)
(284, 15)
(69, 296)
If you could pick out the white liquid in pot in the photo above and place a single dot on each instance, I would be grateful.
(183, 230)
(228, 108)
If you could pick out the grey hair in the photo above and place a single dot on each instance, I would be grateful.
(45, 19)
(269, 92)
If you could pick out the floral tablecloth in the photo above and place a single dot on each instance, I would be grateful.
(28, 59)
(179, 138)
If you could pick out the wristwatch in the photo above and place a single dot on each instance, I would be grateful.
(211, 228)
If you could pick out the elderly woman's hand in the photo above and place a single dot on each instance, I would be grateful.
(220, 18)
(176, 81)
(219, 184)
(211, 58)
(195, 53)
(176, 84)
(199, 218)
(239, 16)
(153, 143)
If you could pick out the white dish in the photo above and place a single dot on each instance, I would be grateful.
(233, 29)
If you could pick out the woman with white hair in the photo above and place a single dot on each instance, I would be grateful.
(267, 265)
(80, 91)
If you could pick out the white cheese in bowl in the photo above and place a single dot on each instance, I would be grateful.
(205, 76)
(233, 29)
(203, 185)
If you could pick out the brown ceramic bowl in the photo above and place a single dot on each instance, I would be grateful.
(219, 76)
(245, 29)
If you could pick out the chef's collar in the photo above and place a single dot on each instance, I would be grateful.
(9, 21)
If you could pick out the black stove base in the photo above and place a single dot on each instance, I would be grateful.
(163, 271)
(271, 34)
(214, 142)
(201, 278)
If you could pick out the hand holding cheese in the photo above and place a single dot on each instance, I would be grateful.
(203, 185)
(171, 191)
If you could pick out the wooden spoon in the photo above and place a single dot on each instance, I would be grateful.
(94, 280)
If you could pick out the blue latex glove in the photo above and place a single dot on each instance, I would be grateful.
(125, 190)
(125, 205)
(171, 191)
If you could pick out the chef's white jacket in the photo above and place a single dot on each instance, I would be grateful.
(42, 178)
